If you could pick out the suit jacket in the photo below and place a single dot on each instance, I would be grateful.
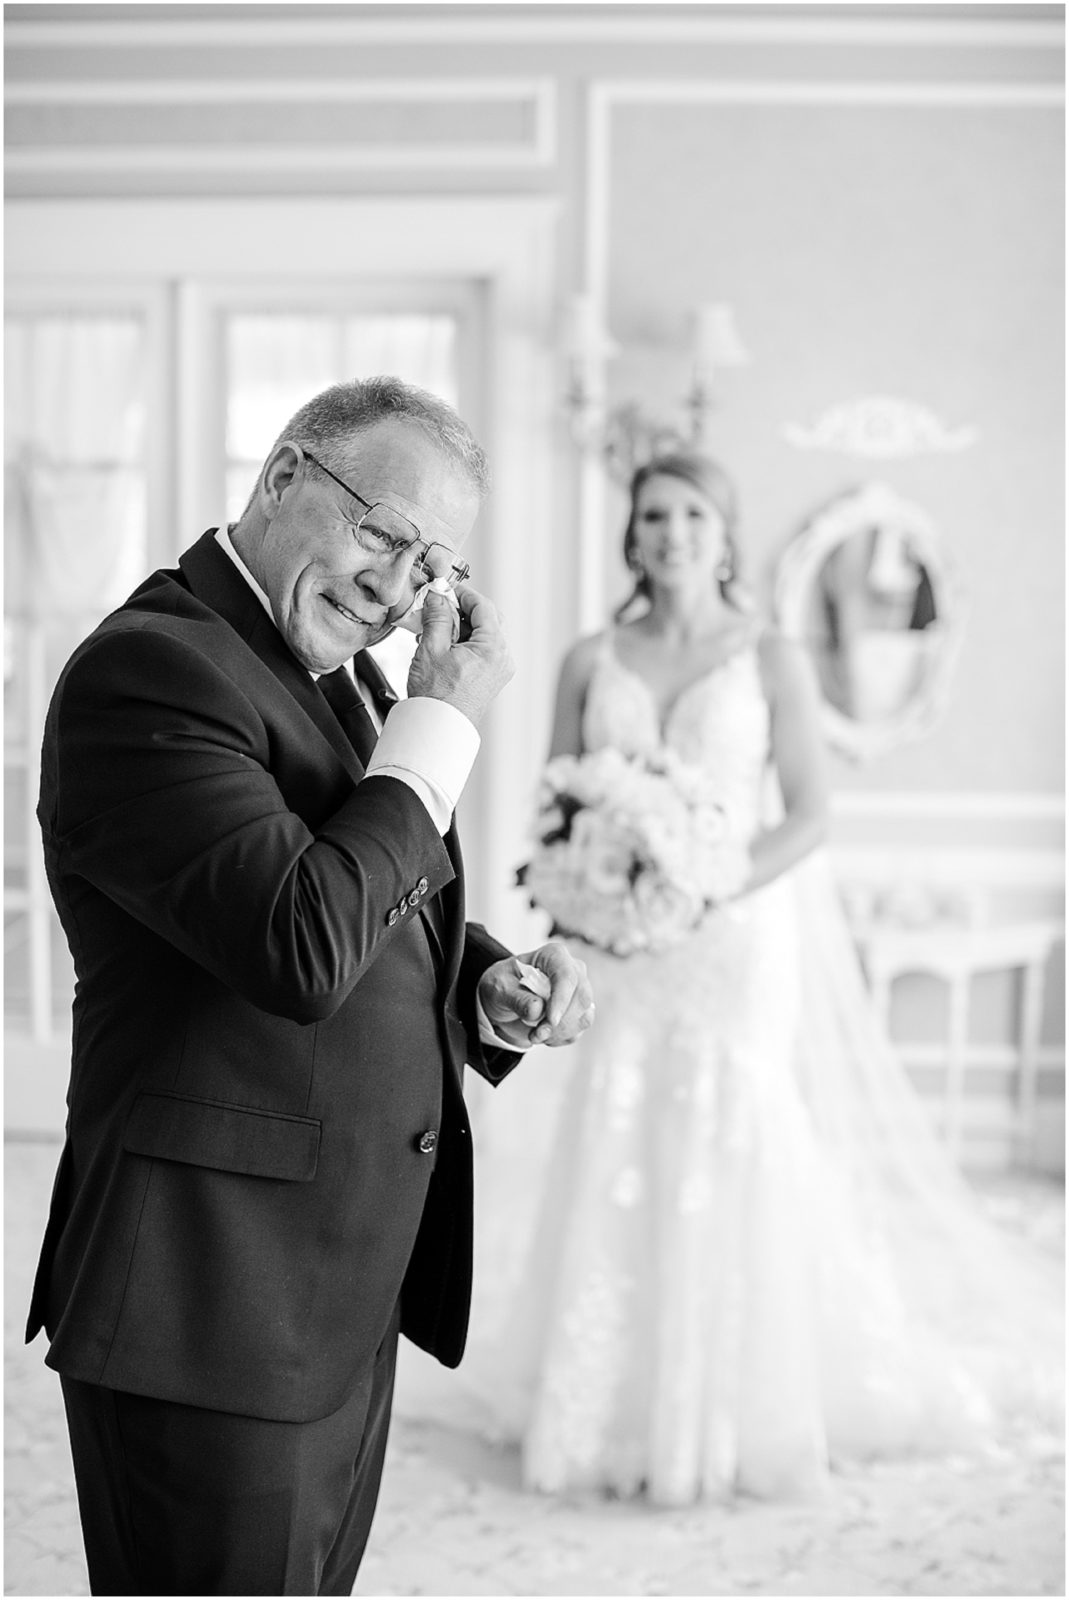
(266, 1139)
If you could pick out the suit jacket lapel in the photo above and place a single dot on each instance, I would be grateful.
(213, 578)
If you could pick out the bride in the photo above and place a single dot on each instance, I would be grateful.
(751, 1259)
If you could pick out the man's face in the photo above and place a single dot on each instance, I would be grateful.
(330, 597)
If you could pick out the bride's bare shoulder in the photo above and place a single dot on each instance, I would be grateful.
(581, 659)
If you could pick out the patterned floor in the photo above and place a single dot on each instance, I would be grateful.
(453, 1521)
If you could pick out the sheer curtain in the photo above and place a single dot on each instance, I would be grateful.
(75, 545)
(74, 446)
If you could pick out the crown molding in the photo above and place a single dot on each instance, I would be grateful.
(535, 149)
(224, 91)
(261, 158)
(553, 25)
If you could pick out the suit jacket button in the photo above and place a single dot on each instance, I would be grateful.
(423, 885)
(402, 908)
(391, 916)
(427, 1142)
(413, 898)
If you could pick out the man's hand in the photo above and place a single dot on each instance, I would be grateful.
(468, 672)
(554, 1008)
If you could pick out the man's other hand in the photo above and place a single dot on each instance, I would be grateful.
(553, 1007)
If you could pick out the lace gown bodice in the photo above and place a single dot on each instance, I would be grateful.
(719, 722)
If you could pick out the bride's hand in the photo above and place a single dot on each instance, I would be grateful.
(553, 1007)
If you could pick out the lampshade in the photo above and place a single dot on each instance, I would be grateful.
(716, 338)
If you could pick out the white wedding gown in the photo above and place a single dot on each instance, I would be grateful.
(751, 1258)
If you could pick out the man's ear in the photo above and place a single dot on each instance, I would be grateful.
(280, 469)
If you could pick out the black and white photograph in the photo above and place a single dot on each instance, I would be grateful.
(534, 772)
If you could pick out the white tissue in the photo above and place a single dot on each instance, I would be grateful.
(535, 980)
(413, 619)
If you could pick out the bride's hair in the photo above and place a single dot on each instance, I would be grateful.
(710, 479)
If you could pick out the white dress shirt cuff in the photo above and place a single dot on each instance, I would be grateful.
(431, 746)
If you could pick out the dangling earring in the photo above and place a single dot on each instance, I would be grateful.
(725, 571)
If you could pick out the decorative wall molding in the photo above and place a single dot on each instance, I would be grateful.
(225, 91)
(267, 145)
(605, 96)
(875, 92)
(879, 426)
(746, 26)
(608, 95)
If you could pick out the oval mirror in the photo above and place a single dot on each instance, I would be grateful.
(867, 586)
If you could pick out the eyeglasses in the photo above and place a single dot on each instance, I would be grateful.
(383, 531)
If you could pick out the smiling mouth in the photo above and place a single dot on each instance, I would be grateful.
(350, 616)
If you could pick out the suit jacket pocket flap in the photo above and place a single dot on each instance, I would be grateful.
(206, 1133)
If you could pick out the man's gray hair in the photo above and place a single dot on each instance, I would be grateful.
(327, 423)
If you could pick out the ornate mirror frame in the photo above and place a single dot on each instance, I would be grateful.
(852, 512)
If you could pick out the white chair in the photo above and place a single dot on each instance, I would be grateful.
(956, 952)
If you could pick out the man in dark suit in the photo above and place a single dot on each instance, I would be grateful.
(267, 1170)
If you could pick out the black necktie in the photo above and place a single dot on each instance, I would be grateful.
(347, 704)
(375, 681)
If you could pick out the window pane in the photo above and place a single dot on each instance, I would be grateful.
(420, 349)
(74, 387)
(277, 361)
(274, 364)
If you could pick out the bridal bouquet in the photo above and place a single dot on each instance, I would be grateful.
(631, 852)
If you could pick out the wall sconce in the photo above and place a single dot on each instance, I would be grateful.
(626, 435)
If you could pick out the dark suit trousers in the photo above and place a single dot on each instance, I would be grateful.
(181, 1501)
